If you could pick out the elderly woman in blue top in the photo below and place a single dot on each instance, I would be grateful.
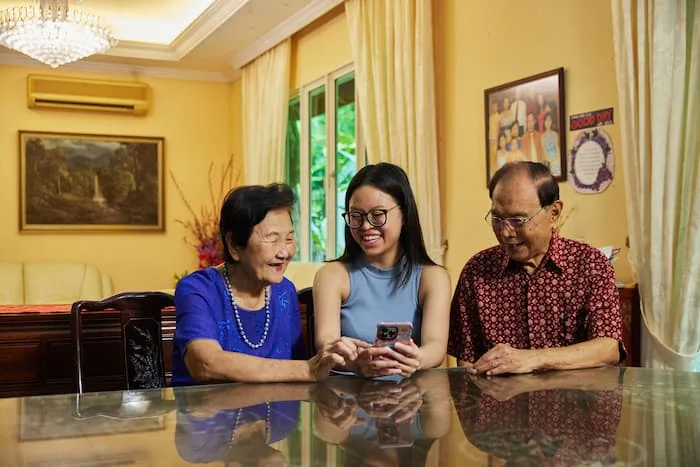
(240, 321)
(384, 274)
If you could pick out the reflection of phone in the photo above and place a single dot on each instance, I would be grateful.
(390, 332)
(391, 434)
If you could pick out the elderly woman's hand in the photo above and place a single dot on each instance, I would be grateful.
(342, 352)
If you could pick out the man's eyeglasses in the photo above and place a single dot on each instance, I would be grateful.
(512, 222)
(376, 217)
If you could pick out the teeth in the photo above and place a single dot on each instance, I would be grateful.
(369, 238)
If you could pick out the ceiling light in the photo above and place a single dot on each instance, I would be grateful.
(50, 32)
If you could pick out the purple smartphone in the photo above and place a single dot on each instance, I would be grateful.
(390, 332)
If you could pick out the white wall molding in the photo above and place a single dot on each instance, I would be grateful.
(209, 21)
(143, 50)
(202, 27)
(102, 67)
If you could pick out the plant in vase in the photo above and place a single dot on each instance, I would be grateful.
(202, 229)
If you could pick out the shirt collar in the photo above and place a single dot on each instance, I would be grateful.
(554, 257)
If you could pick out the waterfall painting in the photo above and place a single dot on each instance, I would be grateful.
(77, 182)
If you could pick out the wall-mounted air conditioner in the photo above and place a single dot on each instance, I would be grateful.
(87, 94)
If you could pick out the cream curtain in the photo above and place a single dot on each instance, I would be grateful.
(265, 100)
(392, 46)
(657, 55)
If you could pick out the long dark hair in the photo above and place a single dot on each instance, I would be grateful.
(392, 180)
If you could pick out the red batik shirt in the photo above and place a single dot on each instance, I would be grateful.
(570, 298)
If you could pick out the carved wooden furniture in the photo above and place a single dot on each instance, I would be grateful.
(141, 336)
(306, 309)
(37, 356)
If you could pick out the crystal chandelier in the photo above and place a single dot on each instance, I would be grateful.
(50, 32)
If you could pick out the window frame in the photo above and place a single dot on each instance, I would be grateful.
(330, 181)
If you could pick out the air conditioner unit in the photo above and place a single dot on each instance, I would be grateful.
(87, 94)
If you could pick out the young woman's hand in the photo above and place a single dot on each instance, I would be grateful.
(407, 357)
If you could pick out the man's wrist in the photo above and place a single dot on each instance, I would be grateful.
(541, 359)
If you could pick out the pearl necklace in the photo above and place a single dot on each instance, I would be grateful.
(268, 411)
(238, 317)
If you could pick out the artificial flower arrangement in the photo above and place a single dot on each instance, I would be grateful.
(202, 229)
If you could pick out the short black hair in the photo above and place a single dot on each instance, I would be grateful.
(392, 180)
(547, 186)
(245, 207)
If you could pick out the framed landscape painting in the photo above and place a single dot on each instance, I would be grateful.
(525, 120)
(78, 182)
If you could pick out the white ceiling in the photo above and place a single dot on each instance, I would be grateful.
(200, 37)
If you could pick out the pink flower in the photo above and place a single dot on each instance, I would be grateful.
(202, 230)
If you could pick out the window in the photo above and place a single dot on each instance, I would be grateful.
(321, 148)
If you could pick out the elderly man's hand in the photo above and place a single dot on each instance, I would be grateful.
(503, 359)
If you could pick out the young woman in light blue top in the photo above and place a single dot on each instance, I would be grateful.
(384, 274)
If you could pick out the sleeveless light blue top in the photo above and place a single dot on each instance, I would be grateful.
(373, 298)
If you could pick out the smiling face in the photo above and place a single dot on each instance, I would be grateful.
(516, 196)
(379, 244)
(270, 248)
(547, 122)
(530, 123)
(515, 130)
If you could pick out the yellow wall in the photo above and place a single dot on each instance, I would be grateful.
(320, 48)
(481, 44)
(237, 126)
(193, 117)
(491, 42)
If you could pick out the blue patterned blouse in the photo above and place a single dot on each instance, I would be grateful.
(203, 310)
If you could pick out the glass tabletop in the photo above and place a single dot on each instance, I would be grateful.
(606, 416)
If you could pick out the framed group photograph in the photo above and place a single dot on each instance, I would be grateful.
(80, 182)
(525, 120)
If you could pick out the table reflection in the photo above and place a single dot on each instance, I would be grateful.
(557, 418)
(383, 423)
(236, 424)
(607, 416)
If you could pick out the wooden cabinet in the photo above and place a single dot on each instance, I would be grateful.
(37, 357)
(631, 324)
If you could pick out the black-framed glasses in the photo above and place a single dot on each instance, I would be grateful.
(376, 217)
(513, 222)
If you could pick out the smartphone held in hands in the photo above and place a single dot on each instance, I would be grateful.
(388, 333)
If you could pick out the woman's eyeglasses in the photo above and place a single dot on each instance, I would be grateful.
(375, 217)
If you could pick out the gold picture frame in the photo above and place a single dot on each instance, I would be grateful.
(525, 120)
(72, 182)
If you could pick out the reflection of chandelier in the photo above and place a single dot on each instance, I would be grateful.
(49, 32)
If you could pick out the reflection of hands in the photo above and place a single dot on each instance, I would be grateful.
(594, 379)
(503, 359)
(274, 459)
(333, 407)
(400, 402)
(334, 416)
(503, 389)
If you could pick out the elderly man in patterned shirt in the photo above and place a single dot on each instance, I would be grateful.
(536, 301)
